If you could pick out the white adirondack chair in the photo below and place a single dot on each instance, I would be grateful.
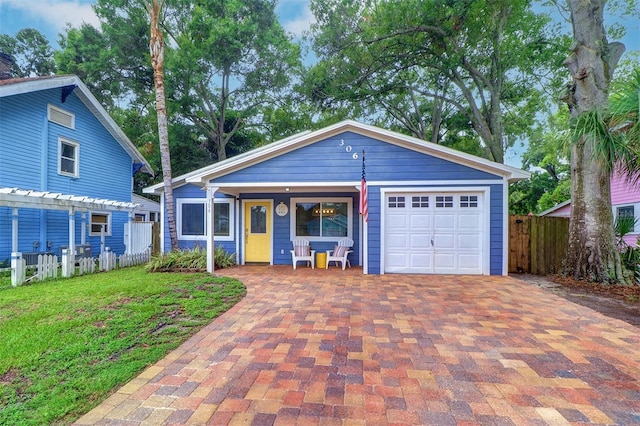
(340, 253)
(302, 253)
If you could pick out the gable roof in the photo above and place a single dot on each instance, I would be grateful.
(18, 86)
(202, 176)
(555, 208)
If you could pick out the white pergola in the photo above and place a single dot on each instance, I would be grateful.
(16, 198)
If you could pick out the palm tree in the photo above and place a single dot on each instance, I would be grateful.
(156, 47)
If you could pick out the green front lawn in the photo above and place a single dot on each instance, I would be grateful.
(66, 344)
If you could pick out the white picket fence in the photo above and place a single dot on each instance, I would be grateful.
(47, 267)
(134, 259)
(70, 265)
(107, 260)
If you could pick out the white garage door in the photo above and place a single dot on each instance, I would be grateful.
(434, 233)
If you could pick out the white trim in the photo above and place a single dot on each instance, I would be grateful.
(486, 211)
(347, 186)
(505, 228)
(292, 217)
(76, 160)
(244, 221)
(61, 111)
(93, 233)
(228, 201)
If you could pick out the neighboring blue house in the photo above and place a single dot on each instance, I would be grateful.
(431, 209)
(66, 169)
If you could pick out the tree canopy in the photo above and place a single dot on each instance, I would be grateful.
(437, 69)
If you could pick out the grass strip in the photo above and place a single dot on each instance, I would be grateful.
(67, 344)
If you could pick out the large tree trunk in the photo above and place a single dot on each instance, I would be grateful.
(156, 47)
(592, 252)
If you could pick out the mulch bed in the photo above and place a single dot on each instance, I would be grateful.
(628, 293)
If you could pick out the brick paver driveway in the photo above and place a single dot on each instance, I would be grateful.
(336, 347)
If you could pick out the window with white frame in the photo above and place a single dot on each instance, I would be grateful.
(68, 157)
(98, 222)
(627, 212)
(192, 219)
(321, 219)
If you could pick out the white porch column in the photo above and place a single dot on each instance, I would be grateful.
(129, 234)
(14, 230)
(209, 228)
(83, 229)
(72, 230)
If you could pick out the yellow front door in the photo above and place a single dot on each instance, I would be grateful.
(257, 231)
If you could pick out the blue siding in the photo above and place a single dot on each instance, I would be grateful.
(29, 160)
(327, 160)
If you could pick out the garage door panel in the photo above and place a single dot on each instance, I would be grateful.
(444, 221)
(397, 241)
(469, 261)
(444, 241)
(420, 260)
(397, 221)
(424, 236)
(444, 260)
(469, 221)
(469, 241)
(419, 242)
(397, 260)
(420, 221)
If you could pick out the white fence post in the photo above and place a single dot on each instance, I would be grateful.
(68, 263)
(107, 260)
(18, 269)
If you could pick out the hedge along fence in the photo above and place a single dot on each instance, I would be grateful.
(537, 244)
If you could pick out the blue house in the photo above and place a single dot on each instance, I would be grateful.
(431, 209)
(66, 169)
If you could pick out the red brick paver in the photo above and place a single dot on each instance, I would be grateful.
(335, 347)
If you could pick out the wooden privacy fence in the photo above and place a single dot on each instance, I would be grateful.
(537, 244)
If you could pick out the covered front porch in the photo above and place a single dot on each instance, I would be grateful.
(259, 221)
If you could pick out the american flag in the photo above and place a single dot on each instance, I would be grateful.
(364, 203)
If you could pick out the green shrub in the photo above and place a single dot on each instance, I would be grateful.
(191, 260)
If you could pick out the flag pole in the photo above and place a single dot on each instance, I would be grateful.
(364, 214)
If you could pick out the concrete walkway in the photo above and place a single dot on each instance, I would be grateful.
(339, 348)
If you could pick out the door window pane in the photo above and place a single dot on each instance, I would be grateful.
(258, 220)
